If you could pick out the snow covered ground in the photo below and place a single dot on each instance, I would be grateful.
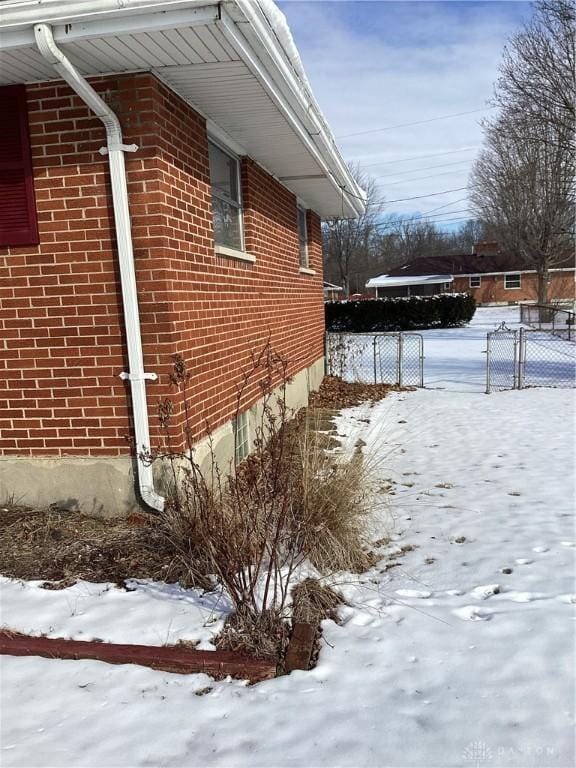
(460, 655)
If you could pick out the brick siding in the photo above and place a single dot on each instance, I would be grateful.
(61, 326)
(493, 290)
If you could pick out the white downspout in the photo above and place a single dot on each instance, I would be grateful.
(115, 150)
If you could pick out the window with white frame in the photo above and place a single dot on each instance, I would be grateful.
(241, 427)
(512, 280)
(303, 237)
(475, 281)
(226, 197)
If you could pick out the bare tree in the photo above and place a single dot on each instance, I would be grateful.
(525, 190)
(522, 185)
(348, 242)
(538, 70)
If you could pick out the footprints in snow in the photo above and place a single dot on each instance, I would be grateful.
(486, 591)
(473, 613)
(418, 593)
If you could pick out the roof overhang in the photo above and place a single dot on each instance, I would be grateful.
(224, 58)
(385, 281)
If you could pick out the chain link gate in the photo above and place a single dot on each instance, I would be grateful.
(501, 359)
(528, 358)
(377, 358)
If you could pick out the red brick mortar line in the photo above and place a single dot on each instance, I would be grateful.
(176, 659)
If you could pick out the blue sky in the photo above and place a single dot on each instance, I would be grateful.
(381, 63)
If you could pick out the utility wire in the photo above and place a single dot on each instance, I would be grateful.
(392, 224)
(417, 157)
(383, 201)
(418, 122)
(424, 168)
(420, 197)
(445, 205)
(408, 219)
(421, 178)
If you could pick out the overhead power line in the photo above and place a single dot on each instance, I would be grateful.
(409, 219)
(445, 205)
(420, 197)
(418, 157)
(417, 122)
(424, 168)
(421, 178)
(384, 201)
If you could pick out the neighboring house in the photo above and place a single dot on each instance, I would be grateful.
(189, 224)
(491, 276)
(332, 292)
(390, 286)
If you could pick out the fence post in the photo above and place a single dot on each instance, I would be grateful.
(421, 356)
(400, 359)
(488, 363)
(375, 368)
(521, 358)
(516, 377)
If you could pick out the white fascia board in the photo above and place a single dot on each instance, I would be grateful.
(286, 90)
(74, 31)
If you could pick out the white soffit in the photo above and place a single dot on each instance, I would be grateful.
(203, 55)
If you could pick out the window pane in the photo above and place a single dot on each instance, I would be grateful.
(223, 173)
(302, 237)
(241, 437)
(512, 281)
(227, 227)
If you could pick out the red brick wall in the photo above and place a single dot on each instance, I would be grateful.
(492, 288)
(61, 327)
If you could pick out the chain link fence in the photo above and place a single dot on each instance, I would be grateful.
(528, 358)
(545, 360)
(557, 321)
(378, 358)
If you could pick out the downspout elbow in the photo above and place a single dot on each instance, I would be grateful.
(54, 56)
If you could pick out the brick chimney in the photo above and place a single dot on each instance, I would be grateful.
(486, 248)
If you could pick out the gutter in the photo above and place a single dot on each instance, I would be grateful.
(18, 14)
(115, 149)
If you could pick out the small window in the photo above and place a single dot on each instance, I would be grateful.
(241, 429)
(447, 286)
(226, 198)
(303, 237)
(475, 281)
(512, 281)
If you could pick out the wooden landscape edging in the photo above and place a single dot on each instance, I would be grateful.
(173, 658)
(301, 645)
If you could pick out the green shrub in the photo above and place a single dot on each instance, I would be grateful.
(446, 310)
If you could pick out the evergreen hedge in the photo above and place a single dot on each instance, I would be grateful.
(445, 310)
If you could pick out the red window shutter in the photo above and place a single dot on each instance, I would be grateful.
(18, 221)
